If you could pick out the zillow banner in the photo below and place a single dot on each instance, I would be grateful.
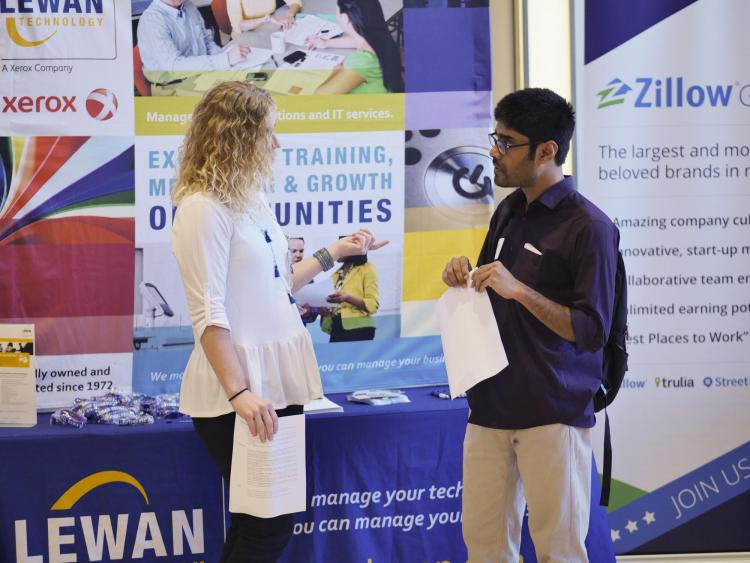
(664, 105)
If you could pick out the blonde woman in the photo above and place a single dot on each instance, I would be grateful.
(246, 15)
(253, 357)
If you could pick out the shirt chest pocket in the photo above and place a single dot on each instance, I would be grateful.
(528, 267)
(547, 272)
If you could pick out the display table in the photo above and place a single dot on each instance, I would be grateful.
(384, 484)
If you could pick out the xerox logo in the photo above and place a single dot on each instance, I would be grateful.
(101, 104)
(39, 104)
(671, 91)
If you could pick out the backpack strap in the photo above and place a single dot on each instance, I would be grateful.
(607, 467)
(499, 221)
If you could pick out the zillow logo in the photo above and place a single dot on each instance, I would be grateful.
(613, 94)
(671, 91)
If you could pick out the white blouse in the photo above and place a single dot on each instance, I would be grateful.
(227, 265)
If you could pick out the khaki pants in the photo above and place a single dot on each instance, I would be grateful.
(546, 467)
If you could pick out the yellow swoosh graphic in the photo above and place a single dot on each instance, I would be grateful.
(10, 24)
(87, 484)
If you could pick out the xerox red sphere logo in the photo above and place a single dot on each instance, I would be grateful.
(101, 104)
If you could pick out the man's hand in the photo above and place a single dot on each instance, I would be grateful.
(497, 277)
(456, 272)
(238, 53)
(258, 413)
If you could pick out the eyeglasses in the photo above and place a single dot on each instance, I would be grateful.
(503, 146)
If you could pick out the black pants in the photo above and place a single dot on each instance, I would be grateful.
(249, 539)
(340, 334)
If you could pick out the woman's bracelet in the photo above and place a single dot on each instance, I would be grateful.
(237, 394)
(324, 258)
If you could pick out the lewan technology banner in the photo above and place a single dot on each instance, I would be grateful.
(664, 106)
(90, 131)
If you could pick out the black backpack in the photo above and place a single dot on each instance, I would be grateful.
(614, 366)
(615, 350)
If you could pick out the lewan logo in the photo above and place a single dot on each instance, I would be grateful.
(101, 104)
(59, 29)
(30, 23)
(99, 536)
(667, 92)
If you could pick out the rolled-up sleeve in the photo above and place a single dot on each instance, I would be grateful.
(201, 238)
(595, 266)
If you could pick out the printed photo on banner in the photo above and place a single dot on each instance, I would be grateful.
(66, 237)
(291, 47)
(325, 185)
(65, 68)
(449, 199)
(330, 185)
(16, 347)
(448, 179)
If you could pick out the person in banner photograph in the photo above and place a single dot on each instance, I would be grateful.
(548, 265)
(173, 43)
(253, 357)
(357, 299)
(246, 15)
(375, 65)
(307, 312)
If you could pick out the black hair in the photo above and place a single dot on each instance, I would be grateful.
(541, 115)
(357, 260)
(368, 20)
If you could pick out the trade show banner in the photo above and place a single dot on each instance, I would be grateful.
(664, 151)
(95, 106)
(410, 163)
(113, 494)
(66, 236)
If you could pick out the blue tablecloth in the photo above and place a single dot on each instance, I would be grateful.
(383, 484)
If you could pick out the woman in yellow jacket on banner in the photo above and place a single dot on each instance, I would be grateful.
(357, 299)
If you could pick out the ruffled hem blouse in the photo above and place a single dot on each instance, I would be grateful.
(236, 274)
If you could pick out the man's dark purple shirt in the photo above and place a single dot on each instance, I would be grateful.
(549, 379)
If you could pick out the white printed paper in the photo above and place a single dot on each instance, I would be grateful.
(471, 339)
(321, 405)
(315, 294)
(17, 378)
(255, 60)
(320, 60)
(268, 478)
(309, 26)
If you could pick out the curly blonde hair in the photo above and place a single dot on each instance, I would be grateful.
(228, 149)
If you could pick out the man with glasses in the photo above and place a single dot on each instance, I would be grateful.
(548, 265)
